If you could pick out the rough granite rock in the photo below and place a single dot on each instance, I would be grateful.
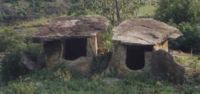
(64, 27)
(80, 65)
(146, 31)
(163, 67)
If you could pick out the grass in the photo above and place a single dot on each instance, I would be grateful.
(147, 11)
(86, 86)
(26, 28)
(190, 63)
(76, 86)
(60, 81)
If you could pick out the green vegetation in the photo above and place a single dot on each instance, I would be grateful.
(173, 10)
(21, 18)
(59, 81)
(147, 11)
(184, 14)
(16, 10)
(13, 46)
(190, 63)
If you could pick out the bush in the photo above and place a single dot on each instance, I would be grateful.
(14, 46)
(105, 8)
(10, 41)
(178, 11)
(100, 63)
(190, 39)
(12, 65)
(20, 88)
(185, 15)
(16, 10)
(45, 82)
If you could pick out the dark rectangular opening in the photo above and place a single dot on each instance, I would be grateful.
(52, 47)
(75, 48)
(135, 56)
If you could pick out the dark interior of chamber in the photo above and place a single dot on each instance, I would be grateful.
(51, 47)
(75, 48)
(135, 56)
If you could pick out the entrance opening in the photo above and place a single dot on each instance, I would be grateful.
(135, 56)
(75, 48)
(52, 47)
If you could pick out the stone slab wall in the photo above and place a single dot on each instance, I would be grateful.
(92, 46)
(162, 46)
(118, 60)
(53, 52)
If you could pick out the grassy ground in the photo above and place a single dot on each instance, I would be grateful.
(61, 81)
(191, 63)
(192, 67)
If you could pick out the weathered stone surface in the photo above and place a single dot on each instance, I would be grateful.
(29, 64)
(53, 53)
(147, 66)
(161, 46)
(64, 27)
(144, 31)
(118, 60)
(92, 46)
(163, 67)
(80, 65)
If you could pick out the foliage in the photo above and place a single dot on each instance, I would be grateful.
(10, 41)
(191, 64)
(14, 10)
(190, 39)
(179, 11)
(20, 88)
(14, 46)
(185, 15)
(60, 80)
(40, 82)
(46, 82)
(146, 10)
(100, 63)
(17, 10)
(106, 38)
(192, 67)
(12, 65)
(104, 7)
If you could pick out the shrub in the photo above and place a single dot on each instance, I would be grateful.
(185, 15)
(100, 63)
(189, 42)
(20, 88)
(16, 10)
(12, 66)
(190, 39)
(10, 41)
(14, 47)
(178, 11)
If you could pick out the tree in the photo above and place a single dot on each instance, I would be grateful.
(115, 10)
(178, 11)
(185, 14)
